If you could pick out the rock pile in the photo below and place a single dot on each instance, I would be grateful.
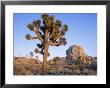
(58, 61)
(76, 54)
(26, 66)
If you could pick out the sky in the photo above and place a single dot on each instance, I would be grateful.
(82, 30)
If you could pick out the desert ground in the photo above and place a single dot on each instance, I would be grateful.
(77, 62)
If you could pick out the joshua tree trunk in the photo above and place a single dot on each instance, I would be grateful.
(45, 56)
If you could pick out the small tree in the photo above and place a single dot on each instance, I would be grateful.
(31, 53)
(49, 33)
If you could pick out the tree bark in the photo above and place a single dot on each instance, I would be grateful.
(45, 62)
(45, 55)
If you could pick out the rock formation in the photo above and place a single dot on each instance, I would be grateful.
(26, 66)
(76, 55)
(58, 61)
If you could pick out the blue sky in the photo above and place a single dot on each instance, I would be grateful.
(82, 30)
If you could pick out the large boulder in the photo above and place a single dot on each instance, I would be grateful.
(76, 55)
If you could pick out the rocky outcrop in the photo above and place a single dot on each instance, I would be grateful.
(26, 66)
(58, 61)
(76, 55)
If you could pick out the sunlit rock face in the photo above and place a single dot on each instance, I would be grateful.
(76, 55)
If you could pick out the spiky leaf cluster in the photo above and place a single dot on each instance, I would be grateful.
(28, 36)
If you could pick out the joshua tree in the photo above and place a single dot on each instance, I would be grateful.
(50, 33)
(31, 53)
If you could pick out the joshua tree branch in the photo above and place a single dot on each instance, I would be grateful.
(56, 43)
(59, 35)
(34, 37)
(37, 31)
(29, 37)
